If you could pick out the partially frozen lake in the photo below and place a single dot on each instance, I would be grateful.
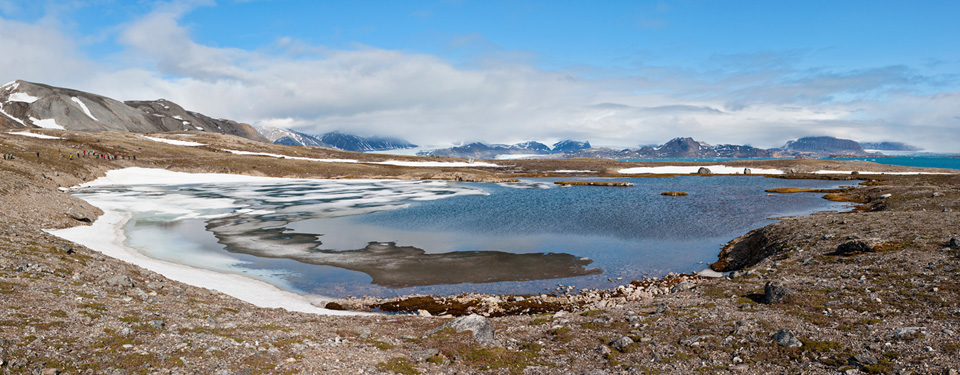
(390, 237)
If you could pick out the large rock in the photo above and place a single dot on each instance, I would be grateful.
(954, 243)
(481, 327)
(119, 280)
(704, 170)
(774, 292)
(857, 246)
(747, 250)
(786, 338)
(79, 215)
(622, 343)
(864, 359)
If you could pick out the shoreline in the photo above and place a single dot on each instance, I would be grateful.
(106, 236)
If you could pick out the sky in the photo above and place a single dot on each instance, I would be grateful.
(615, 73)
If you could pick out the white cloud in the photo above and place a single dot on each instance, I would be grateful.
(500, 97)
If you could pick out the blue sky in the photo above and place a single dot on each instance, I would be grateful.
(615, 73)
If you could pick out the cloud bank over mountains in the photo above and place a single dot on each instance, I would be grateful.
(762, 99)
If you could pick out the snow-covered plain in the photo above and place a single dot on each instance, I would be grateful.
(35, 135)
(175, 142)
(714, 169)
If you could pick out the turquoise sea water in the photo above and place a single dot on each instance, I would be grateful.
(697, 160)
(907, 161)
(912, 161)
(388, 238)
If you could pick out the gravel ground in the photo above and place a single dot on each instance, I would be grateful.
(886, 302)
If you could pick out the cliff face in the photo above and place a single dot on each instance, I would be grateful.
(33, 105)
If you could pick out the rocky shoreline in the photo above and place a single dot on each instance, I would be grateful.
(798, 298)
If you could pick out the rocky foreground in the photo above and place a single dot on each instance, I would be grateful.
(869, 291)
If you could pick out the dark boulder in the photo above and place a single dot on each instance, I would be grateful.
(774, 292)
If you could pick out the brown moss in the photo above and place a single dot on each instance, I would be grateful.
(674, 193)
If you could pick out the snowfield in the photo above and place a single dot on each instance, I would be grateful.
(46, 124)
(714, 169)
(436, 164)
(22, 97)
(175, 142)
(35, 135)
(238, 152)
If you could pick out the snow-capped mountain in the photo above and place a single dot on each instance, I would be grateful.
(337, 140)
(32, 105)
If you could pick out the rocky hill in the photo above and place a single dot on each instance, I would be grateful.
(479, 150)
(32, 105)
(823, 145)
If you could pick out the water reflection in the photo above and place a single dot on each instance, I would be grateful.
(390, 265)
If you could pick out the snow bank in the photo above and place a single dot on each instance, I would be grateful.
(714, 169)
(174, 141)
(46, 124)
(86, 110)
(35, 135)
(238, 152)
(22, 97)
(436, 164)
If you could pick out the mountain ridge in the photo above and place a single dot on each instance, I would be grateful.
(335, 140)
(35, 105)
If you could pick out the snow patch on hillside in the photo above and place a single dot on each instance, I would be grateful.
(86, 110)
(22, 97)
(35, 135)
(238, 152)
(174, 142)
(46, 123)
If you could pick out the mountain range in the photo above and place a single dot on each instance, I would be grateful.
(478, 150)
(684, 147)
(33, 105)
(337, 140)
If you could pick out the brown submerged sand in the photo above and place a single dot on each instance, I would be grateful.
(890, 306)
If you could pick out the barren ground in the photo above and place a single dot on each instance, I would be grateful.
(894, 309)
